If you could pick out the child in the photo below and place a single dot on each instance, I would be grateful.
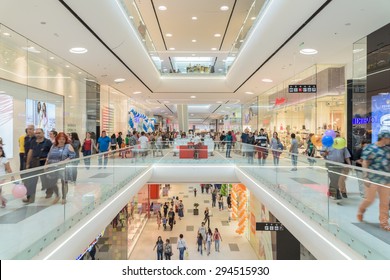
(164, 222)
(195, 192)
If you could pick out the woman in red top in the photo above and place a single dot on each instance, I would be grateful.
(88, 149)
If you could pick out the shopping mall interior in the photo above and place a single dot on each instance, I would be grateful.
(303, 67)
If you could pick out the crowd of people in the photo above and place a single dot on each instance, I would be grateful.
(205, 236)
(35, 150)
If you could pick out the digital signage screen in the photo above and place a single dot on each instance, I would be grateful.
(380, 114)
(41, 114)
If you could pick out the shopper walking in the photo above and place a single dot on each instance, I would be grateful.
(310, 150)
(294, 152)
(217, 239)
(337, 187)
(103, 146)
(277, 148)
(377, 157)
(249, 147)
(160, 248)
(181, 246)
(207, 217)
(229, 141)
(168, 249)
(262, 142)
(209, 239)
(199, 242)
(60, 151)
(88, 148)
(202, 231)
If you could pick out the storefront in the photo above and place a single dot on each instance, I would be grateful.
(304, 111)
(369, 90)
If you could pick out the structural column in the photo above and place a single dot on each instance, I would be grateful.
(182, 116)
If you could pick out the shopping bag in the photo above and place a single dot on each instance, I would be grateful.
(186, 254)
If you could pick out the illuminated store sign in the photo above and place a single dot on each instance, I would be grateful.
(302, 88)
(363, 120)
(269, 227)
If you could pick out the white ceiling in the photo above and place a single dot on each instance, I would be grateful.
(115, 50)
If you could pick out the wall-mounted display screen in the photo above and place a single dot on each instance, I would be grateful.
(380, 114)
(41, 114)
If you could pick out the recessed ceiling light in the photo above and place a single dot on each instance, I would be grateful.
(193, 54)
(357, 50)
(162, 8)
(253, 18)
(80, 72)
(119, 80)
(249, 92)
(6, 34)
(194, 18)
(137, 92)
(224, 8)
(219, 102)
(213, 49)
(308, 51)
(267, 80)
(70, 96)
(31, 49)
(217, 35)
(67, 66)
(193, 41)
(193, 96)
(241, 41)
(78, 50)
(171, 49)
(168, 35)
(52, 57)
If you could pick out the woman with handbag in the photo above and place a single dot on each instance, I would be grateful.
(61, 150)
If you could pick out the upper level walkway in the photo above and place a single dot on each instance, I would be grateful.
(327, 228)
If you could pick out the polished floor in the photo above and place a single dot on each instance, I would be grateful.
(232, 247)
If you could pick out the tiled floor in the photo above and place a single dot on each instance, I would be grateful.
(233, 246)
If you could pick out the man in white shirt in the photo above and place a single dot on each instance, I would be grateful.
(143, 141)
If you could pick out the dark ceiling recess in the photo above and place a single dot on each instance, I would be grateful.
(102, 42)
(289, 38)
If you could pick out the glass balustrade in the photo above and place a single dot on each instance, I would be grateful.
(91, 182)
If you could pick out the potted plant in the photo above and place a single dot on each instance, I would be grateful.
(196, 210)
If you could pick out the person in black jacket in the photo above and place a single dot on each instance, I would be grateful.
(171, 218)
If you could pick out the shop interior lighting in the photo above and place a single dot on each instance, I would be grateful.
(308, 51)
(78, 50)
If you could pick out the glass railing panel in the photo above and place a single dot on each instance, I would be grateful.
(306, 188)
(38, 223)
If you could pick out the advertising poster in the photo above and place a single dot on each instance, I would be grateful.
(41, 114)
(6, 124)
(380, 114)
